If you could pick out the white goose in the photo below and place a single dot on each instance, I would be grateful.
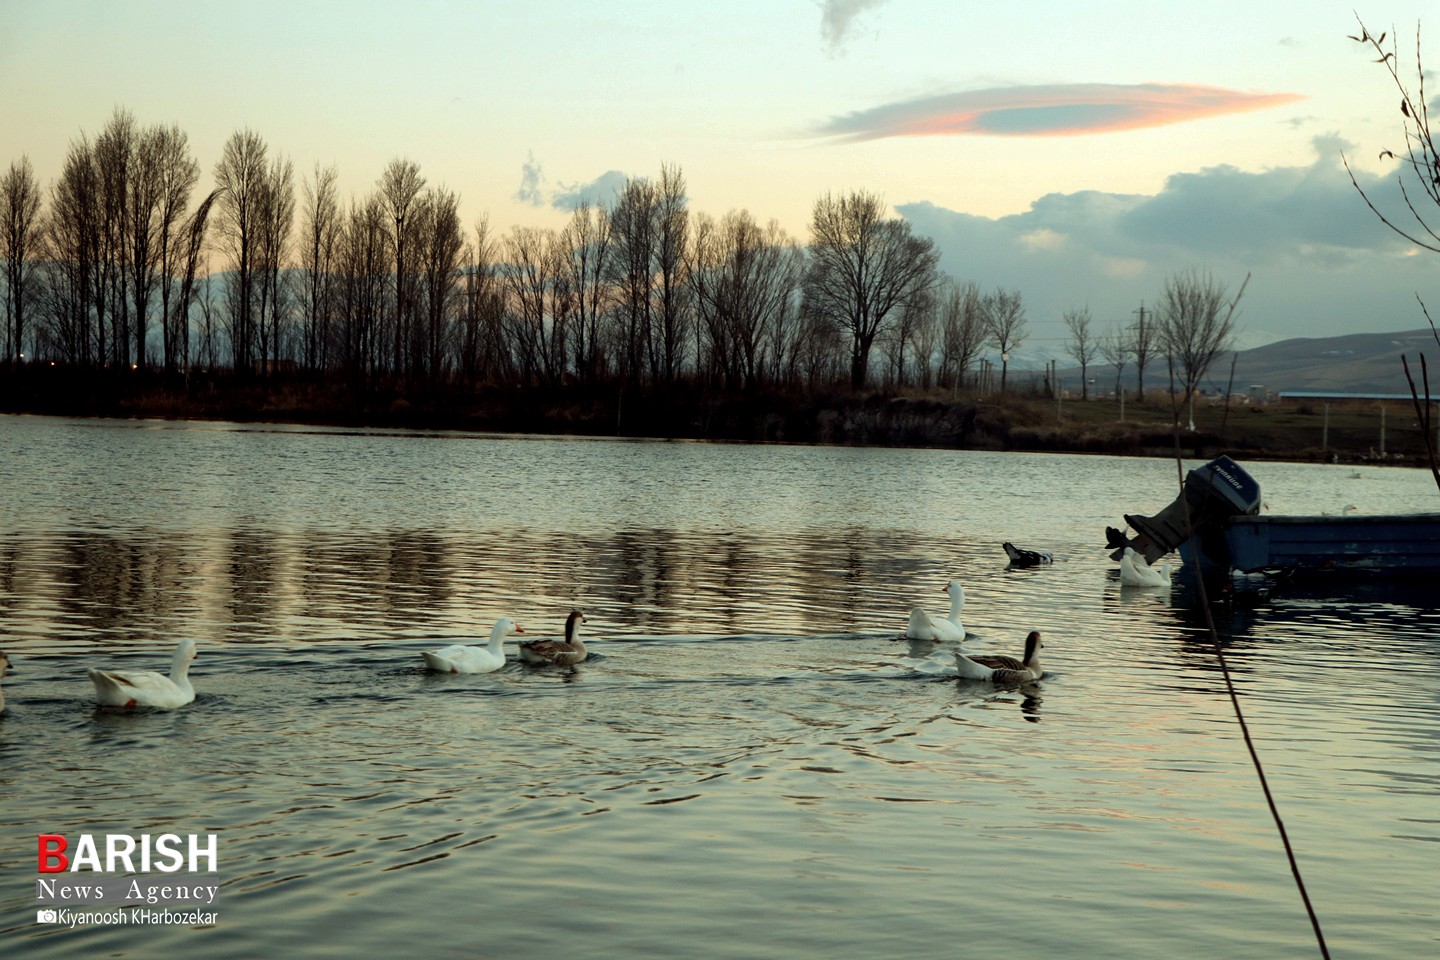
(458, 658)
(561, 652)
(922, 626)
(146, 688)
(1004, 669)
(1135, 572)
(4, 663)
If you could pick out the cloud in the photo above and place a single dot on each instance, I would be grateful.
(836, 17)
(602, 190)
(529, 191)
(567, 196)
(1321, 262)
(1049, 110)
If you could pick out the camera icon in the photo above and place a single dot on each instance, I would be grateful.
(46, 916)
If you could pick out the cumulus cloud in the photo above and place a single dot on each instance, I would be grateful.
(836, 17)
(534, 191)
(602, 190)
(1321, 263)
(1049, 110)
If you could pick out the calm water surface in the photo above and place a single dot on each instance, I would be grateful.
(752, 764)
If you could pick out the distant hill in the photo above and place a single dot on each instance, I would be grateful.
(1354, 363)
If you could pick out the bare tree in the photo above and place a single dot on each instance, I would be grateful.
(671, 313)
(1114, 347)
(1195, 327)
(440, 245)
(1081, 346)
(318, 252)
(861, 269)
(744, 279)
(963, 331)
(144, 250)
(178, 172)
(1143, 346)
(587, 240)
(484, 355)
(113, 156)
(1004, 313)
(241, 177)
(189, 244)
(362, 271)
(632, 236)
(20, 237)
(70, 249)
(535, 325)
(277, 217)
(400, 187)
(1419, 166)
(1420, 157)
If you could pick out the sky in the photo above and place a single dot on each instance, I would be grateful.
(1080, 153)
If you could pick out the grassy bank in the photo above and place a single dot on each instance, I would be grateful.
(1020, 420)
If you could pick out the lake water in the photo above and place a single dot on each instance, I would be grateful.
(751, 764)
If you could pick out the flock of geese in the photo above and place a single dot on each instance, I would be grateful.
(147, 688)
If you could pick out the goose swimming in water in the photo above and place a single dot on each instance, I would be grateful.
(459, 658)
(563, 653)
(922, 626)
(146, 688)
(1020, 557)
(1135, 572)
(996, 669)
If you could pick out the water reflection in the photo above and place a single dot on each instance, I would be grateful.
(253, 585)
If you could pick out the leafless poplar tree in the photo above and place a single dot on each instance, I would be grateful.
(319, 249)
(535, 325)
(179, 244)
(963, 330)
(587, 242)
(71, 248)
(277, 218)
(113, 157)
(20, 237)
(484, 355)
(1081, 346)
(438, 257)
(632, 236)
(362, 272)
(862, 268)
(400, 187)
(1004, 313)
(189, 244)
(671, 312)
(781, 275)
(241, 176)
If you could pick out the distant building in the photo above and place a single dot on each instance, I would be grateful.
(1303, 395)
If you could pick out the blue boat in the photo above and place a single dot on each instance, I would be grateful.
(1216, 526)
(1406, 543)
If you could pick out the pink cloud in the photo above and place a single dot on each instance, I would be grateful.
(1053, 110)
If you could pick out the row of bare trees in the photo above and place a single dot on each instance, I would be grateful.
(1194, 323)
(117, 250)
(118, 264)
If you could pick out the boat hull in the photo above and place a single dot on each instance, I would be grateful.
(1354, 544)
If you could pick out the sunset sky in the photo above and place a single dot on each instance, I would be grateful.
(1076, 152)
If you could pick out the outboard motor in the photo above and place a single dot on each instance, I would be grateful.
(1212, 494)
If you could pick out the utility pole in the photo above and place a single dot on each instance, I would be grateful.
(1142, 352)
